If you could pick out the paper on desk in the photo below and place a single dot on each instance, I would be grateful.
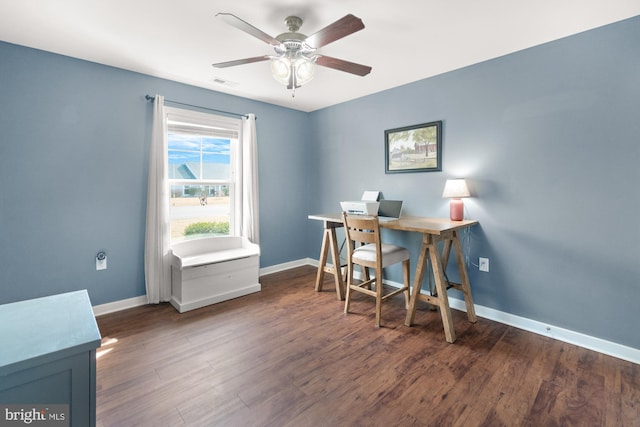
(370, 196)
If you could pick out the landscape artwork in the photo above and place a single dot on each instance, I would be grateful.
(416, 148)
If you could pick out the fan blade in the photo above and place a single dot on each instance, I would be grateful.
(332, 32)
(342, 65)
(241, 61)
(234, 21)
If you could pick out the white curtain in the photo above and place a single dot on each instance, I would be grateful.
(157, 250)
(250, 220)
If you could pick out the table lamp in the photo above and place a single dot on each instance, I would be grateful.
(455, 189)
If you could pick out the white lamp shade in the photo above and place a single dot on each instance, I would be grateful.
(304, 70)
(281, 70)
(455, 189)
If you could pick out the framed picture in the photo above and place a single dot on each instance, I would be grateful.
(415, 148)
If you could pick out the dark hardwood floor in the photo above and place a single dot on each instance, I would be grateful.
(288, 356)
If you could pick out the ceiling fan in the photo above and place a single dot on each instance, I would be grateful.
(295, 57)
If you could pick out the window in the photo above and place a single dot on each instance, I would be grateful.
(202, 172)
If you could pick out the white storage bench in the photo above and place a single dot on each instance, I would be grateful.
(213, 269)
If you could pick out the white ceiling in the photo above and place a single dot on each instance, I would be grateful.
(403, 40)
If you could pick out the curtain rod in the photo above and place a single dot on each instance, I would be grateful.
(151, 98)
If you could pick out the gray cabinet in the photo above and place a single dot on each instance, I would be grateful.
(48, 355)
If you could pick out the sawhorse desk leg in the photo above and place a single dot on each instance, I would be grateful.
(429, 249)
(330, 242)
(465, 286)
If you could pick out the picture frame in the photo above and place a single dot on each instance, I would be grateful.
(416, 148)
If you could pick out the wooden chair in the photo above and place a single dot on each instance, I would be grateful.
(365, 249)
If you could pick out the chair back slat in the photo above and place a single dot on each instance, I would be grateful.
(361, 229)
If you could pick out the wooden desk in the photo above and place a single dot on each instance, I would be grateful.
(434, 231)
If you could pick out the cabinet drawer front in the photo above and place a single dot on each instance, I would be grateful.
(221, 278)
(220, 269)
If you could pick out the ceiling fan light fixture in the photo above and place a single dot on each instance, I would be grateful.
(304, 69)
(281, 70)
(295, 60)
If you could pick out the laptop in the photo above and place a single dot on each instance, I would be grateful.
(389, 210)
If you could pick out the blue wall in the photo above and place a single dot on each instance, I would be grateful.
(549, 140)
(74, 142)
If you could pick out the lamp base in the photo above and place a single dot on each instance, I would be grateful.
(456, 210)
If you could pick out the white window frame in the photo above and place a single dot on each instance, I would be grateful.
(219, 127)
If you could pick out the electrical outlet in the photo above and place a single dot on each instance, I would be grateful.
(483, 265)
(101, 261)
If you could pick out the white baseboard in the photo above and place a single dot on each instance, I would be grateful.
(287, 266)
(581, 340)
(609, 348)
(111, 307)
(572, 337)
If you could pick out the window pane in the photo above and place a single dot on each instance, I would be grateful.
(216, 145)
(178, 141)
(184, 156)
(184, 170)
(201, 168)
(216, 159)
(212, 168)
(198, 210)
